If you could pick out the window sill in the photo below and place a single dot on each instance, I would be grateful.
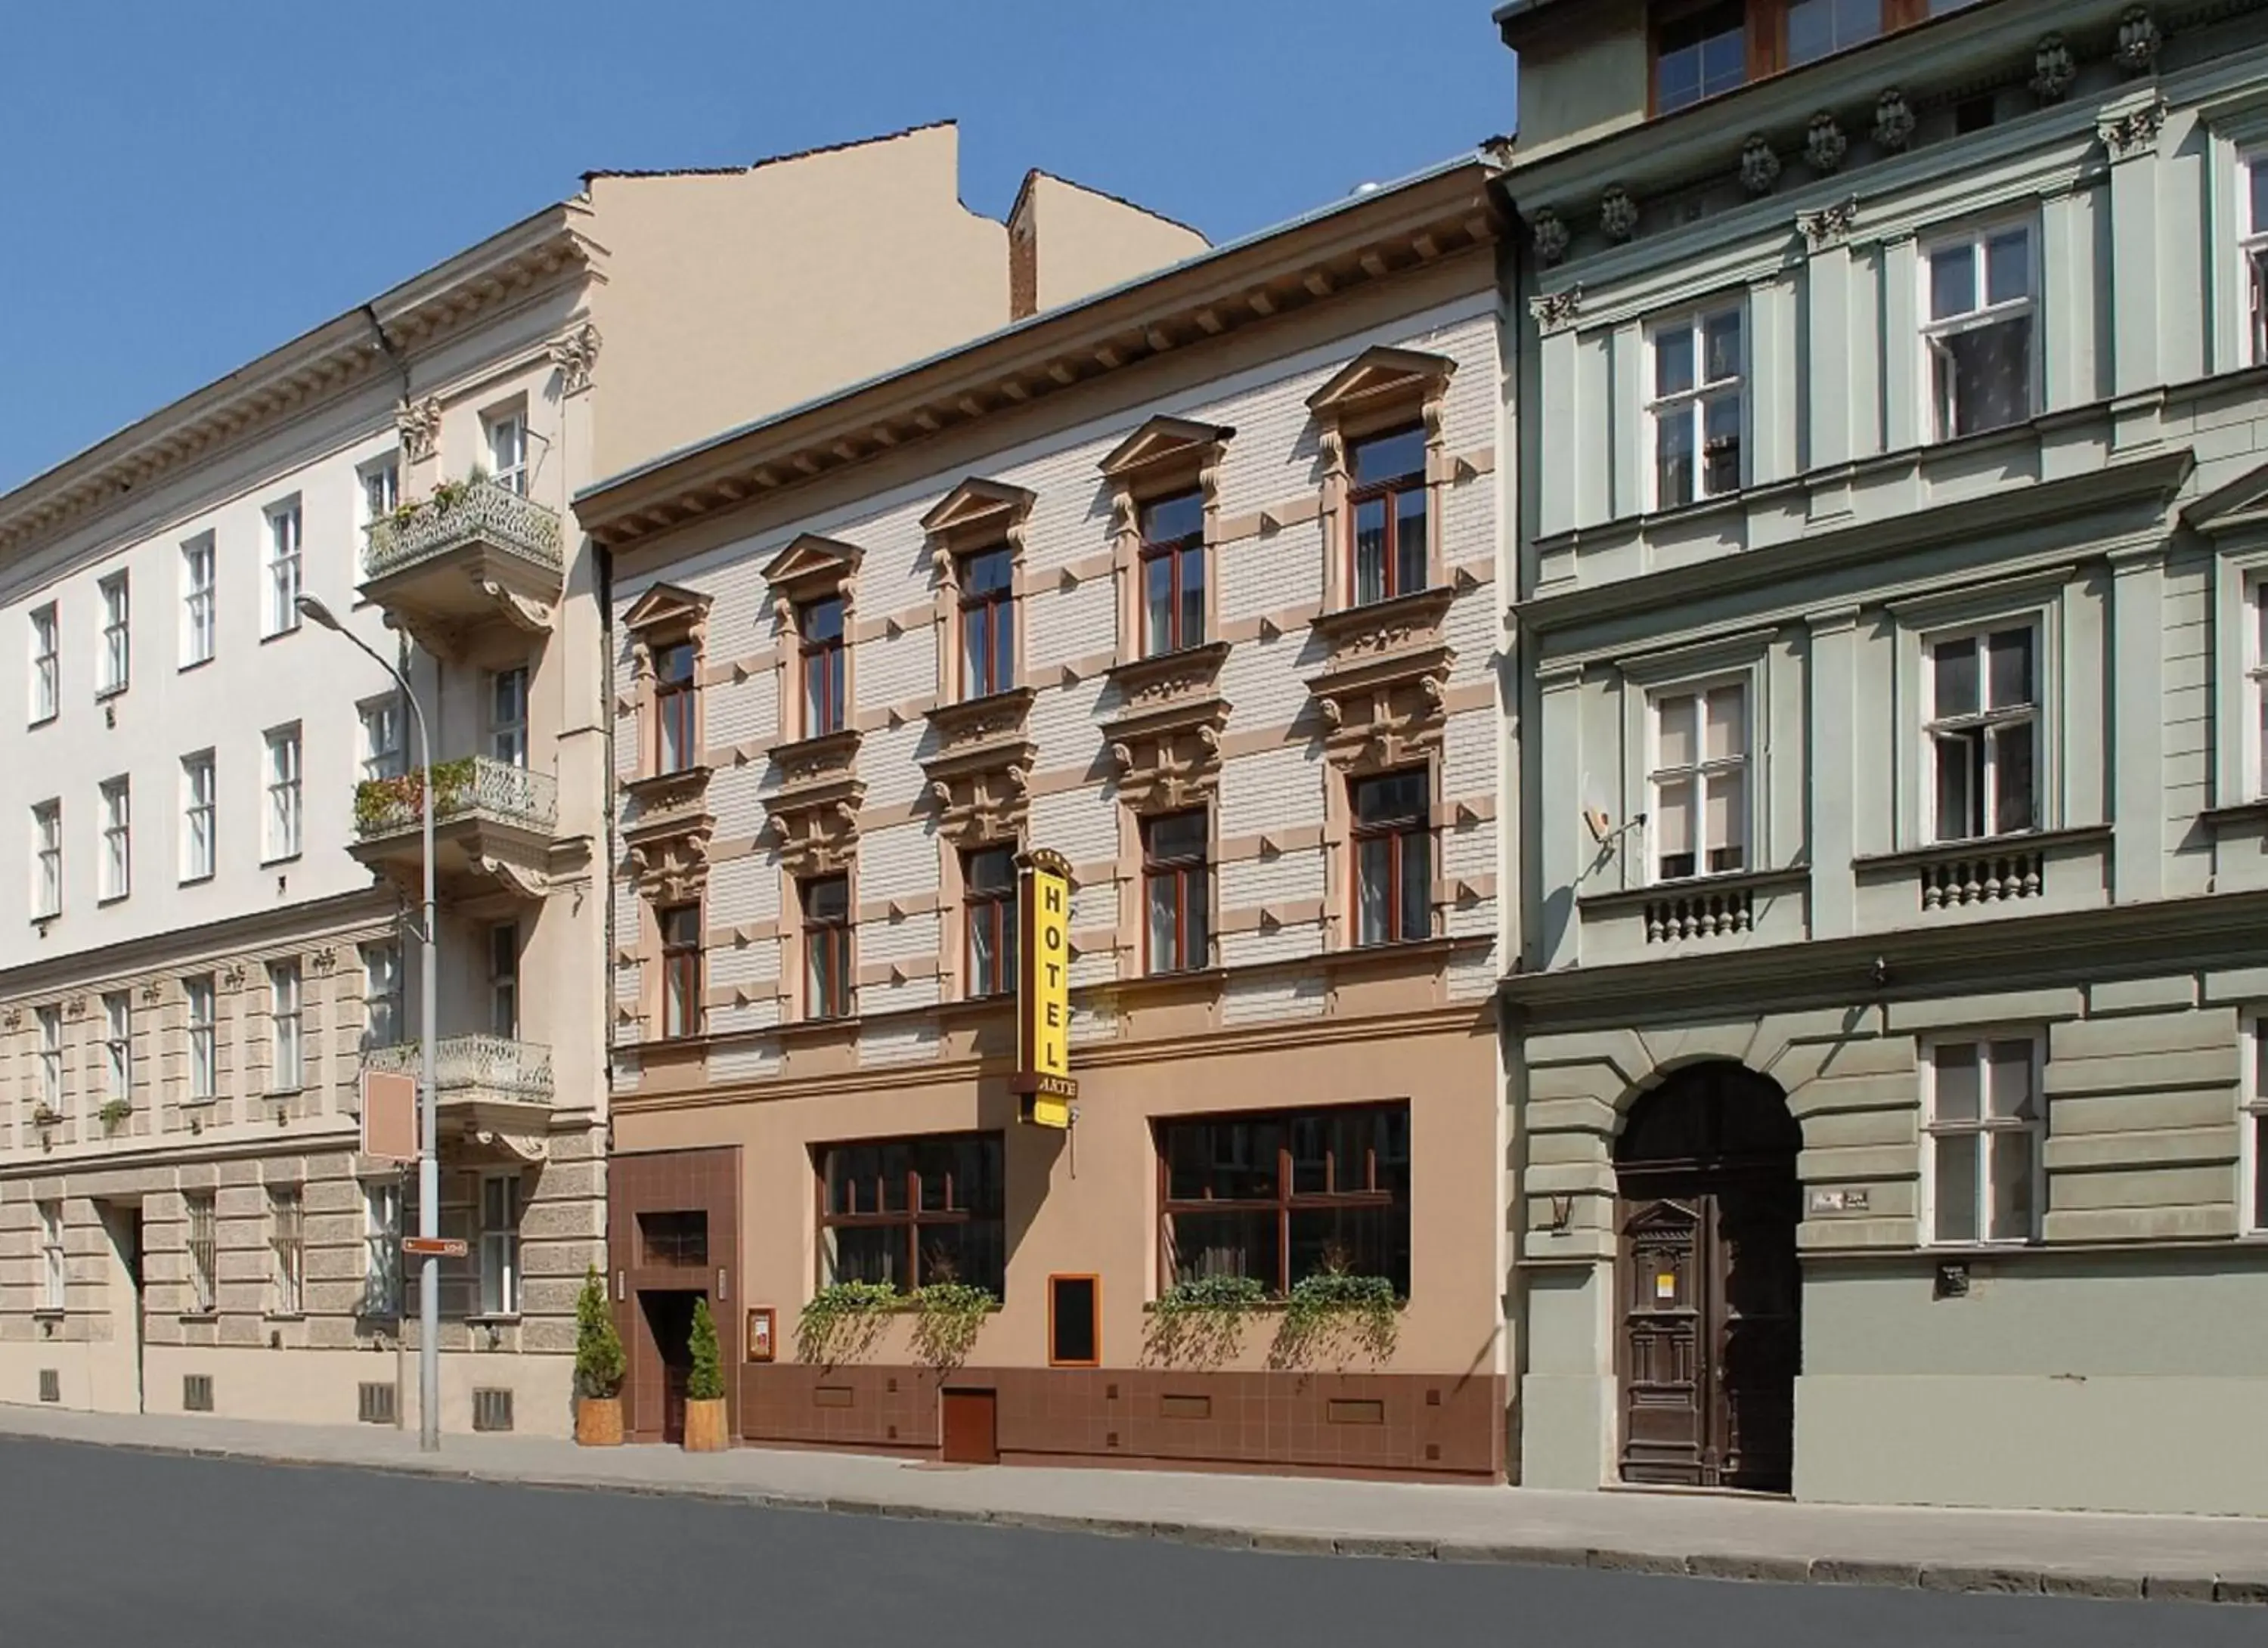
(48, 720)
(1428, 603)
(280, 858)
(1355, 955)
(115, 898)
(195, 880)
(194, 664)
(198, 1316)
(283, 1093)
(107, 693)
(278, 634)
(502, 1318)
(48, 1313)
(2236, 815)
(973, 1006)
(1687, 886)
(284, 1316)
(2020, 841)
(1981, 1250)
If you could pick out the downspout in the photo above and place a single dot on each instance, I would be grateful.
(603, 564)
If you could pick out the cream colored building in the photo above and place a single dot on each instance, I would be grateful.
(205, 941)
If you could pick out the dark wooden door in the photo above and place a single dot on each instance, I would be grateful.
(970, 1428)
(669, 1316)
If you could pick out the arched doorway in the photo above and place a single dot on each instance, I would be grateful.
(1711, 1335)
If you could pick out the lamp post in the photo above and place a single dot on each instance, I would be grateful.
(429, 1167)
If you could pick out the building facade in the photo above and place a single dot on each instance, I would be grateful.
(1889, 1012)
(220, 838)
(1195, 585)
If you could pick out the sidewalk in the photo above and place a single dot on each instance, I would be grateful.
(2178, 1558)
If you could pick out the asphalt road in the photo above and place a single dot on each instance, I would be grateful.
(104, 1548)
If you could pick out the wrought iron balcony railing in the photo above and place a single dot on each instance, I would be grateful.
(472, 786)
(466, 1065)
(461, 512)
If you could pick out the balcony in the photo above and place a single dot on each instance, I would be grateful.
(472, 554)
(491, 1092)
(494, 826)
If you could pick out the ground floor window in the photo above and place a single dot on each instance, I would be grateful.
(2254, 1154)
(381, 1236)
(1283, 1194)
(911, 1212)
(1987, 1123)
(500, 1244)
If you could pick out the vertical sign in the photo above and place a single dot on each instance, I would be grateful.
(1043, 1076)
(390, 1116)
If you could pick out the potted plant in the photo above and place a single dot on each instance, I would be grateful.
(1334, 1315)
(1198, 1322)
(113, 1113)
(599, 1367)
(705, 1428)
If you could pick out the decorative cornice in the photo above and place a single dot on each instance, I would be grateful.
(2133, 134)
(575, 354)
(1829, 225)
(1554, 311)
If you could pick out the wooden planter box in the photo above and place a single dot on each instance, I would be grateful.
(599, 1421)
(706, 1431)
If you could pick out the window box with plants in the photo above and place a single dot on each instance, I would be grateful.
(599, 1367)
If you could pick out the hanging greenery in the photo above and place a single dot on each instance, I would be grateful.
(114, 1112)
(1332, 1316)
(1200, 1322)
(947, 1316)
(841, 1323)
(599, 1363)
(705, 1381)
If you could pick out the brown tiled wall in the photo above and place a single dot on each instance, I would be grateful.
(1365, 1423)
(671, 1182)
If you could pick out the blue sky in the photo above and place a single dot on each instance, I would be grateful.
(187, 183)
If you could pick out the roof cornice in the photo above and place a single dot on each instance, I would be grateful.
(1439, 215)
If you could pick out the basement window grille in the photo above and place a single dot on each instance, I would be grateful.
(374, 1404)
(197, 1393)
(51, 1384)
(491, 1411)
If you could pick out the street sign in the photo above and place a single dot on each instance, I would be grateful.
(434, 1247)
(389, 1116)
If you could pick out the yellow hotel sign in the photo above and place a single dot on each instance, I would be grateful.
(1043, 1075)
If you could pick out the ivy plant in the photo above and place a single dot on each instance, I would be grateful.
(842, 1320)
(114, 1112)
(947, 1316)
(1332, 1316)
(1198, 1322)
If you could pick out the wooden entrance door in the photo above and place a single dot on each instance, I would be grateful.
(970, 1428)
(669, 1317)
(1711, 1299)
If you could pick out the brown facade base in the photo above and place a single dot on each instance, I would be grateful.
(1345, 1424)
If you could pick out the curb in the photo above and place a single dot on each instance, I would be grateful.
(2246, 1589)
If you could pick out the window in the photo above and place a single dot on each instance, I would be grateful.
(675, 667)
(381, 736)
(508, 716)
(281, 840)
(47, 860)
(824, 657)
(681, 971)
(1176, 892)
(1985, 1125)
(1173, 574)
(197, 816)
(282, 614)
(117, 1045)
(1388, 506)
(1980, 330)
(1982, 733)
(203, 1218)
(1817, 27)
(673, 1240)
(1393, 859)
(504, 981)
(287, 1249)
(381, 995)
(117, 636)
(204, 1069)
(52, 1276)
(381, 1245)
(1282, 1196)
(1697, 409)
(1700, 781)
(507, 437)
(500, 1244)
(51, 1059)
(2256, 596)
(117, 840)
(1701, 53)
(46, 683)
(284, 1073)
(989, 909)
(988, 623)
(197, 600)
(381, 488)
(907, 1212)
(827, 989)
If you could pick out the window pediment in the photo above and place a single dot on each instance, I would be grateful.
(2239, 508)
(1380, 628)
(1383, 378)
(1164, 445)
(978, 508)
(813, 566)
(665, 609)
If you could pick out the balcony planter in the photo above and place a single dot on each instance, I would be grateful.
(599, 1367)
(707, 1429)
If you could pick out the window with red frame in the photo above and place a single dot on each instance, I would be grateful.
(827, 947)
(675, 667)
(1387, 505)
(909, 1212)
(821, 623)
(988, 623)
(1393, 859)
(989, 912)
(1704, 48)
(681, 971)
(1173, 574)
(1177, 892)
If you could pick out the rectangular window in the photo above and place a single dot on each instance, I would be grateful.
(1983, 736)
(197, 816)
(1388, 506)
(1393, 859)
(204, 1064)
(988, 623)
(285, 1071)
(1698, 407)
(117, 635)
(673, 1240)
(51, 1059)
(508, 716)
(381, 995)
(281, 839)
(46, 665)
(381, 1245)
(1282, 1196)
(507, 438)
(1986, 1123)
(282, 614)
(989, 912)
(53, 1277)
(381, 488)
(1700, 781)
(675, 671)
(198, 613)
(382, 754)
(907, 1212)
(826, 988)
(1177, 892)
(47, 860)
(681, 971)
(500, 1244)
(117, 839)
(824, 661)
(2253, 184)
(1700, 52)
(504, 981)
(2256, 596)
(1817, 28)
(2252, 1152)
(287, 1249)
(117, 1045)
(1173, 559)
(1980, 331)
(202, 1215)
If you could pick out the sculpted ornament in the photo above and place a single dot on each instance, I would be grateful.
(419, 425)
(1824, 145)
(1759, 166)
(575, 354)
(1617, 213)
(2140, 38)
(1829, 224)
(2054, 69)
(2134, 134)
(1552, 237)
(1894, 121)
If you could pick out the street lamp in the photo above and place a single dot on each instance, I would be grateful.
(429, 1167)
